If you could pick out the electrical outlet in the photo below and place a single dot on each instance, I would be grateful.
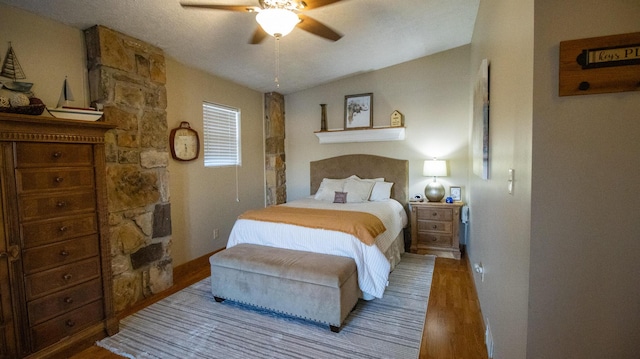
(216, 233)
(488, 340)
(480, 270)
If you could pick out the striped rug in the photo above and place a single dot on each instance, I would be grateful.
(190, 324)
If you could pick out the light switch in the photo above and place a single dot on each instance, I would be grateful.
(510, 181)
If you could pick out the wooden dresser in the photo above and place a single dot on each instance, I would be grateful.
(435, 228)
(55, 270)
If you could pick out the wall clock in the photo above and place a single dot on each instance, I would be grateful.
(184, 142)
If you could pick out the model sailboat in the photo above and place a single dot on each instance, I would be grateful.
(63, 109)
(11, 69)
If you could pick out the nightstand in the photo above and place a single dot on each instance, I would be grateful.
(435, 228)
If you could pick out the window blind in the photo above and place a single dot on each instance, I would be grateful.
(221, 135)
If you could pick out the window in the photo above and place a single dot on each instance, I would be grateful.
(221, 135)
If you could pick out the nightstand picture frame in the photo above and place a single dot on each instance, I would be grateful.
(456, 193)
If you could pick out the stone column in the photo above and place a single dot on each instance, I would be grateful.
(127, 76)
(275, 167)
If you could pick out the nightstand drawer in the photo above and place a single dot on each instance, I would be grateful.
(433, 240)
(434, 226)
(436, 214)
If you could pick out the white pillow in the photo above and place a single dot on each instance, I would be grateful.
(357, 190)
(381, 191)
(328, 189)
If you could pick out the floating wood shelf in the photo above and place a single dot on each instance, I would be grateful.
(362, 135)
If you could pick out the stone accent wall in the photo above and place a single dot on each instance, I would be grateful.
(275, 166)
(127, 76)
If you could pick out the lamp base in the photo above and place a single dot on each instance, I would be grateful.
(434, 192)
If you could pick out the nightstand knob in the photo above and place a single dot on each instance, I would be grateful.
(67, 277)
(435, 226)
(64, 253)
(435, 214)
(59, 179)
(70, 323)
(56, 154)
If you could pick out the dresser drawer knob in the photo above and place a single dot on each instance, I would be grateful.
(435, 226)
(61, 204)
(67, 277)
(63, 229)
(59, 179)
(70, 323)
(434, 239)
(64, 253)
(57, 154)
(68, 300)
(3, 254)
(435, 214)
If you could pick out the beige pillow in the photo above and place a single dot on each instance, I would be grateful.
(381, 191)
(328, 188)
(358, 190)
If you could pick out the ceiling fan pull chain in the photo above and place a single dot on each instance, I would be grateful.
(277, 80)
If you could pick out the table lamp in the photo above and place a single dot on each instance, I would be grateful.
(434, 191)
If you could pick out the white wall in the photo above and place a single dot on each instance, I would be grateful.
(204, 199)
(201, 199)
(585, 242)
(431, 92)
(48, 51)
(500, 222)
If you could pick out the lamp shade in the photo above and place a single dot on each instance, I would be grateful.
(277, 22)
(435, 168)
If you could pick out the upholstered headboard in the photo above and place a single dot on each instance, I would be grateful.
(364, 166)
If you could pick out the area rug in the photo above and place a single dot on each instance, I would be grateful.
(190, 324)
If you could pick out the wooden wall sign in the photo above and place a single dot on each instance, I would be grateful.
(600, 65)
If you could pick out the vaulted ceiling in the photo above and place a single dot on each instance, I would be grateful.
(376, 34)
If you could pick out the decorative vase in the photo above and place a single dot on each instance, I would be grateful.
(323, 117)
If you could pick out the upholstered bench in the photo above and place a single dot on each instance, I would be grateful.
(313, 286)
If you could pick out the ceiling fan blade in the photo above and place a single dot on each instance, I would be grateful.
(240, 8)
(258, 36)
(317, 28)
(314, 4)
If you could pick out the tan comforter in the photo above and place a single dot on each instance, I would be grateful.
(364, 226)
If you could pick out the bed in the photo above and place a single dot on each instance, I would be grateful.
(373, 262)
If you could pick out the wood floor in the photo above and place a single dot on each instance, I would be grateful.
(453, 327)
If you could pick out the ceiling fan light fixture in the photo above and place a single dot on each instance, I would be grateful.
(277, 22)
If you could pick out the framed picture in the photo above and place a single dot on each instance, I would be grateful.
(456, 193)
(358, 111)
(480, 130)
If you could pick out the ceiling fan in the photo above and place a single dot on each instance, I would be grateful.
(278, 17)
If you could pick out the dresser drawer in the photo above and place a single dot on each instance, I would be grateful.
(436, 214)
(61, 302)
(52, 280)
(53, 255)
(53, 155)
(433, 240)
(64, 325)
(56, 204)
(434, 226)
(46, 179)
(57, 229)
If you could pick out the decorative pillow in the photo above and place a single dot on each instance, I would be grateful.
(358, 190)
(381, 191)
(340, 197)
(328, 188)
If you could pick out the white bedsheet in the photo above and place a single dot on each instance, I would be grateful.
(373, 266)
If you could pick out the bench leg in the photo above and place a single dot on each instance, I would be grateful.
(334, 329)
(218, 299)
